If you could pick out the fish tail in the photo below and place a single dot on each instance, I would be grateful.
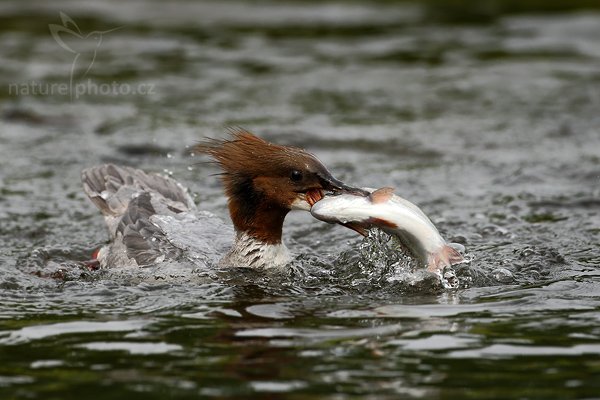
(444, 257)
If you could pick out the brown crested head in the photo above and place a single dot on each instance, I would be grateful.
(264, 181)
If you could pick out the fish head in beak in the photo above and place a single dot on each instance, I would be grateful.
(314, 181)
(317, 185)
(335, 186)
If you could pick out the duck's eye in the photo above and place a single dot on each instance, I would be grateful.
(296, 176)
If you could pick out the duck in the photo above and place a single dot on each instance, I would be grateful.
(152, 218)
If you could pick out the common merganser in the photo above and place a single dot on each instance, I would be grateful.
(151, 217)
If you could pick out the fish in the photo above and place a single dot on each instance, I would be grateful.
(394, 215)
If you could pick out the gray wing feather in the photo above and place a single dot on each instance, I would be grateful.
(112, 187)
(144, 242)
(128, 197)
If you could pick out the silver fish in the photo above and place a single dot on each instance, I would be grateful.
(394, 215)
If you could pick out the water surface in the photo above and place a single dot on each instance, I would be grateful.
(489, 122)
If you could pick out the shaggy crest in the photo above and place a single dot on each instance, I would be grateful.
(247, 154)
(264, 181)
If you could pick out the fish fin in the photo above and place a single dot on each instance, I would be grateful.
(445, 257)
(382, 223)
(381, 195)
(356, 227)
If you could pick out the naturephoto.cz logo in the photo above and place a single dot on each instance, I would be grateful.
(84, 48)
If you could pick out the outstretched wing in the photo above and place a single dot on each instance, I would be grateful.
(57, 30)
(111, 188)
(128, 198)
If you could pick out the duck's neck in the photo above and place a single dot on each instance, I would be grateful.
(248, 251)
(252, 211)
(258, 225)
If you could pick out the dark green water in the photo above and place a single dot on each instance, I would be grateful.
(486, 114)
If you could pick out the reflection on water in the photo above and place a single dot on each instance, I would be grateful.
(484, 113)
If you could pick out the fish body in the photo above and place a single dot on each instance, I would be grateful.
(394, 215)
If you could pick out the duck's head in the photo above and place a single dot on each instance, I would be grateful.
(264, 181)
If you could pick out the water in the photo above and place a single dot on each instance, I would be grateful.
(491, 127)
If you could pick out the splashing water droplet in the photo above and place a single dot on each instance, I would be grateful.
(458, 247)
(503, 275)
